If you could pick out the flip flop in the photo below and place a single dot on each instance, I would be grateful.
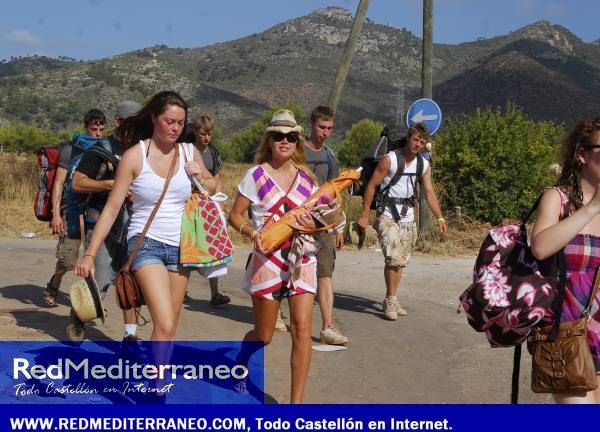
(219, 299)
(50, 293)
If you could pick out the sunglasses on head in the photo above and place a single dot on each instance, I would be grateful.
(291, 137)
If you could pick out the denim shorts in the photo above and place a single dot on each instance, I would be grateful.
(154, 252)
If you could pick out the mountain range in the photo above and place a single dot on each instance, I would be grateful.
(543, 68)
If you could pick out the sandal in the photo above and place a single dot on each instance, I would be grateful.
(50, 293)
(219, 299)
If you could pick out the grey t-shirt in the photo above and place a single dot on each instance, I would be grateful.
(317, 161)
(208, 157)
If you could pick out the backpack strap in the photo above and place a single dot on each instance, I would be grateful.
(329, 155)
(216, 157)
(420, 167)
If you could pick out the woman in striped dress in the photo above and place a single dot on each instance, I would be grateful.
(579, 234)
(279, 182)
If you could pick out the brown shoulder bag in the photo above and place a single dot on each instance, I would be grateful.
(129, 294)
(561, 356)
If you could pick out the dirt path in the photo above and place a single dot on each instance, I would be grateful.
(429, 356)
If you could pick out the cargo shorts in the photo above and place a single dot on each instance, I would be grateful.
(397, 240)
(67, 251)
(326, 255)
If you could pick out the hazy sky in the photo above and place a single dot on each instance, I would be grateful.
(91, 29)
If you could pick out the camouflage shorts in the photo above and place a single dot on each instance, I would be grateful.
(397, 240)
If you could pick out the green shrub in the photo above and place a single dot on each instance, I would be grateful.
(493, 164)
(21, 137)
(357, 141)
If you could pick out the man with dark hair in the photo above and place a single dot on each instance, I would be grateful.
(94, 176)
(321, 160)
(67, 248)
(395, 224)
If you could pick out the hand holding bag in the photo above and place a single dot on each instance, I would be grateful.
(129, 294)
(561, 356)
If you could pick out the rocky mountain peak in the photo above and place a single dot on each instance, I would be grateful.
(554, 35)
(334, 12)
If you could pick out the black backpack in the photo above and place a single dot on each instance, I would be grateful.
(392, 138)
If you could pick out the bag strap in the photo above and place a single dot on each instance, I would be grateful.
(514, 391)
(127, 265)
(588, 308)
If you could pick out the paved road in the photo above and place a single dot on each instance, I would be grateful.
(429, 356)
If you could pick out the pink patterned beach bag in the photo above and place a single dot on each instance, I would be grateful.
(511, 290)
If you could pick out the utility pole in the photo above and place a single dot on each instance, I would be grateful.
(426, 75)
(400, 107)
(342, 73)
(426, 92)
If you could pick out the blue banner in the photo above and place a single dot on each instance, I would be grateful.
(247, 418)
(108, 372)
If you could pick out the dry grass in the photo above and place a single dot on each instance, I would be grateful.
(18, 185)
(464, 237)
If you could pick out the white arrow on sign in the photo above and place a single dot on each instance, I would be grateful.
(420, 117)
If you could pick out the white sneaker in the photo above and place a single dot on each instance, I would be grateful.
(331, 336)
(400, 309)
(280, 324)
(390, 309)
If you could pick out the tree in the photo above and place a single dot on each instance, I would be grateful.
(357, 141)
(242, 145)
(494, 163)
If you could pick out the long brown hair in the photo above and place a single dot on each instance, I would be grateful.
(570, 179)
(140, 126)
(263, 154)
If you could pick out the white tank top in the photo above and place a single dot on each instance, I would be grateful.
(405, 187)
(146, 189)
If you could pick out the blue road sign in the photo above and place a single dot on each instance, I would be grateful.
(425, 111)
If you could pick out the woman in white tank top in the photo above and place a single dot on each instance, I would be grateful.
(151, 139)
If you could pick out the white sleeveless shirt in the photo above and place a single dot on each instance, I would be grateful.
(405, 187)
(146, 189)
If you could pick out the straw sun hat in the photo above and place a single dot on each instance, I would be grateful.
(86, 301)
(283, 121)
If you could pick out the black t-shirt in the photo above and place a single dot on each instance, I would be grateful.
(63, 162)
(97, 168)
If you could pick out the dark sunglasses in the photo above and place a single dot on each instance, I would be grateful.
(590, 146)
(291, 137)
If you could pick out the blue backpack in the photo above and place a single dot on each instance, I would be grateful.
(76, 202)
